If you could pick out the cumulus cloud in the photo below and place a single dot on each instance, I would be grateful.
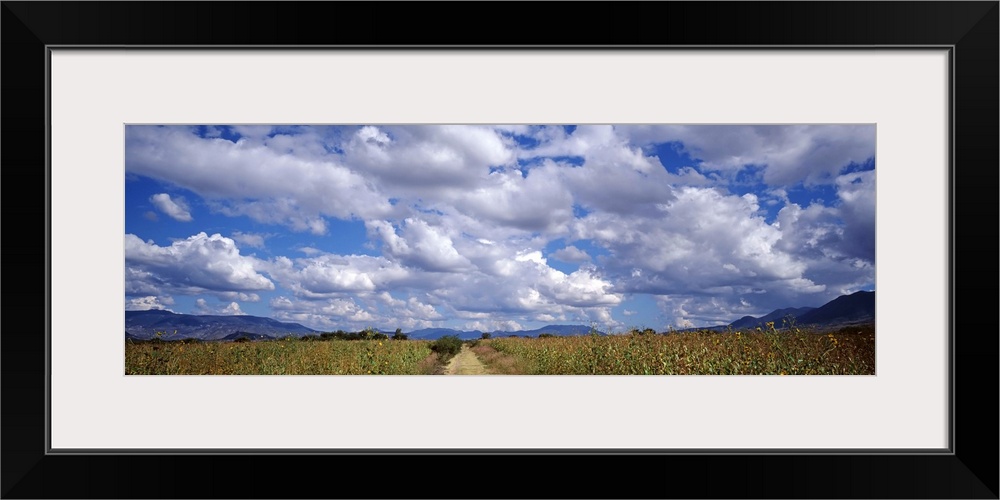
(537, 201)
(715, 249)
(477, 325)
(571, 254)
(149, 302)
(789, 153)
(249, 178)
(686, 311)
(231, 309)
(857, 210)
(458, 218)
(347, 313)
(177, 209)
(198, 264)
(688, 243)
(420, 157)
(241, 296)
(255, 240)
(526, 286)
(420, 245)
(327, 274)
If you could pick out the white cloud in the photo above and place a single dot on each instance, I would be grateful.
(713, 248)
(420, 245)
(462, 215)
(231, 309)
(477, 325)
(249, 178)
(581, 288)
(857, 209)
(347, 314)
(149, 302)
(200, 263)
(790, 154)
(615, 176)
(176, 208)
(570, 254)
(686, 245)
(255, 240)
(539, 201)
(507, 326)
(525, 286)
(324, 275)
(414, 158)
(686, 311)
(241, 296)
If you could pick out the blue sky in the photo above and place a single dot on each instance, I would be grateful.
(497, 227)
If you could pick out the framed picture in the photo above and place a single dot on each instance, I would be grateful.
(921, 77)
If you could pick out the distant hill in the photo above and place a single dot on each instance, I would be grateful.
(246, 335)
(858, 307)
(141, 325)
(557, 330)
(777, 315)
(436, 333)
(145, 324)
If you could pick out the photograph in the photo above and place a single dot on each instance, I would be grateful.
(501, 249)
(366, 197)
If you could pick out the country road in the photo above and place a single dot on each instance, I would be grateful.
(465, 363)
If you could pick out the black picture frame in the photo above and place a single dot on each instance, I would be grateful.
(968, 470)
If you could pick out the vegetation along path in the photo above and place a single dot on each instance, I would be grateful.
(465, 363)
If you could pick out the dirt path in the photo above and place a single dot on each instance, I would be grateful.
(465, 363)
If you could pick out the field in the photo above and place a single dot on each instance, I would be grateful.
(281, 357)
(846, 351)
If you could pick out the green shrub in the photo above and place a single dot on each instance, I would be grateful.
(447, 346)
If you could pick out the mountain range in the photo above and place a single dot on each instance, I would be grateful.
(145, 324)
(777, 315)
(436, 333)
(858, 307)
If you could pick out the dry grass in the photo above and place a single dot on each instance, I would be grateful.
(283, 357)
(849, 351)
(497, 362)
